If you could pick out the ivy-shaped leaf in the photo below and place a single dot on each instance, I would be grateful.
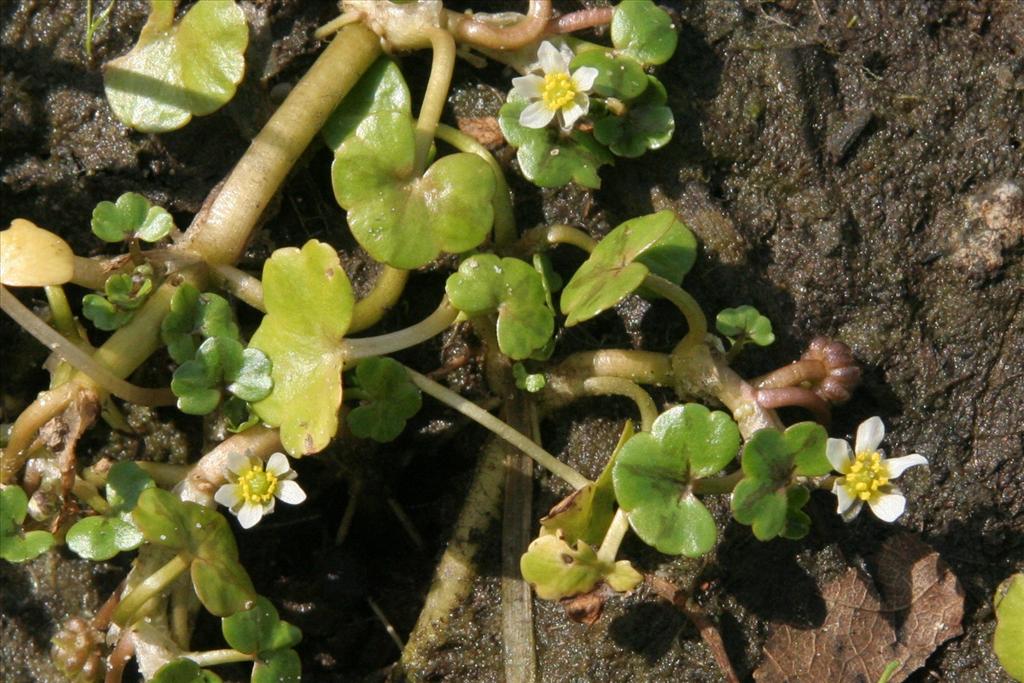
(195, 316)
(123, 294)
(643, 124)
(643, 31)
(179, 70)
(402, 219)
(548, 159)
(618, 76)
(184, 671)
(131, 217)
(219, 361)
(381, 89)
(390, 399)
(259, 630)
(587, 513)
(309, 307)
(487, 283)
(557, 570)
(763, 499)
(745, 323)
(103, 536)
(658, 242)
(16, 546)
(654, 475)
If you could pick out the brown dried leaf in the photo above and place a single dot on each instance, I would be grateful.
(922, 607)
(484, 130)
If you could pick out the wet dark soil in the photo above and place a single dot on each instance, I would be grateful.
(851, 168)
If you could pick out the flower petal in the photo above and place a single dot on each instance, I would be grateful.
(227, 495)
(569, 115)
(278, 464)
(848, 506)
(237, 463)
(888, 506)
(249, 515)
(530, 87)
(290, 492)
(869, 435)
(536, 115)
(551, 59)
(838, 454)
(898, 466)
(584, 78)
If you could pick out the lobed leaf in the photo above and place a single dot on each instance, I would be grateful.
(618, 76)
(381, 89)
(131, 217)
(645, 123)
(643, 31)
(392, 399)
(745, 322)
(16, 546)
(184, 671)
(195, 315)
(259, 629)
(101, 538)
(556, 570)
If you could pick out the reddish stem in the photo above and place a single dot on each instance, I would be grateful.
(509, 37)
(122, 652)
(795, 396)
(580, 20)
(797, 372)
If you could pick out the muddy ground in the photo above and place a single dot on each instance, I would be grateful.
(851, 168)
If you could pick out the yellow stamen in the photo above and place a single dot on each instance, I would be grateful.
(257, 485)
(559, 90)
(866, 476)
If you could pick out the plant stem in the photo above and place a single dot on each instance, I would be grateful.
(87, 493)
(724, 484)
(443, 45)
(240, 284)
(485, 419)
(386, 291)
(165, 474)
(642, 367)
(215, 657)
(603, 386)
(688, 306)
(580, 20)
(797, 372)
(180, 593)
(63, 318)
(504, 219)
(480, 34)
(565, 234)
(613, 537)
(220, 232)
(90, 273)
(207, 475)
(153, 585)
(795, 396)
(382, 345)
(86, 364)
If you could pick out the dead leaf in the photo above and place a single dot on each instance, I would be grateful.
(921, 606)
(484, 130)
(586, 608)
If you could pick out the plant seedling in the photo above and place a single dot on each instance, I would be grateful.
(259, 631)
(184, 671)
(557, 570)
(177, 71)
(657, 243)
(527, 381)
(103, 536)
(389, 399)
(743, 325)
(634, 127)
(16, 546)
(654, 477)
(194, 315)
(643, 31)
(218, 361)
(309, 307)
(123, 294)
(132, 217)
(486, 284)
(766, 498)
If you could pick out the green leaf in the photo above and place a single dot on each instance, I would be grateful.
(221, 584)
(179, 70)
(399, 218)
(282, 666)
(128, 291)
(644, 124)
(195, 315)
(238, 414)
(621, 261)
(643, 31)
(251, 380)
(132, 216)
(101, 538)
(797, 521)
(392, 399)
(545, 157)
(556, 570)
(745, 322)
(770, 460)
(587, 513)
(381, 89)
(184, 671)
(654, 473)
(1009, 605)
(103, 314)
(16, 546)
(195, 384)
(618, 76)
(486, 283)
(169, 522)
(309, 307)
(526, 381)
(125, 482)
(259, 629)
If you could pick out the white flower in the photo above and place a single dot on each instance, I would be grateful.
(867, 473)
(251, 489)
(557, 92)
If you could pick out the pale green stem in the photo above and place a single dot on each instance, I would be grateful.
(604, 386)
(642, 367)
(215, 657)
(504, 219)
(221, 230)
(63, 318)
(165, 474)
(180, 593)
(92, 366)
(335, 25)
(89, 494)
(154, 584)
(386, 291)
(613, 537)
(241, 285)
(90, 273)
(564, 234)
(485, 419)
(711, 485)
(443, 46)
(382, 345)
(695, 320)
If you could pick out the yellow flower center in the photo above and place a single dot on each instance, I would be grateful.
(866, 476)
(257, 485)
(559, 90)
